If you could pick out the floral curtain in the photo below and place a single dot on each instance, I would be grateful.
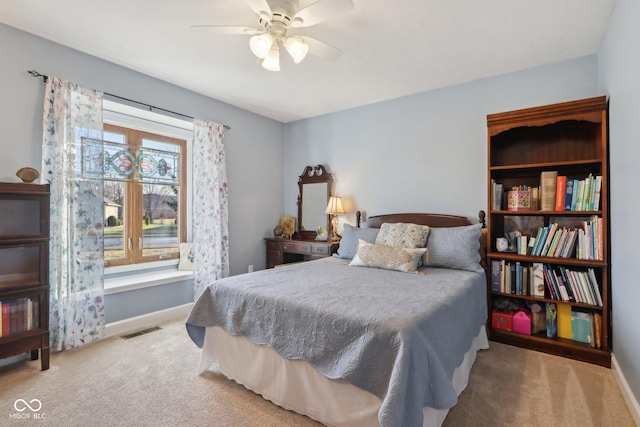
(71, 115)
(210, 205)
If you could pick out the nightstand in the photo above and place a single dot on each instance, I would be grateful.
(283, 251)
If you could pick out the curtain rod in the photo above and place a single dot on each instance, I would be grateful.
(35, 73)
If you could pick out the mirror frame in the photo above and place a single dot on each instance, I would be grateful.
(312, 175)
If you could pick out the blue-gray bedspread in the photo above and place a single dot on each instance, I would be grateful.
(397, 335)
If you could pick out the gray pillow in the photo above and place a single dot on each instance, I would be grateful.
(349, 243)
(455, 247)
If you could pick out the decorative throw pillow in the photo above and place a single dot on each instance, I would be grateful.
(387, 257)
(186, 256)
(455, 247)
(403, 235)
(349, 241)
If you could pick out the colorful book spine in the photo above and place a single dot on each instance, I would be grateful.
(561, 188)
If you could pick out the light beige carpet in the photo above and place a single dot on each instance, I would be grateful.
(152, 380)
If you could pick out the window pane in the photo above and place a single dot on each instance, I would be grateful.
(160, 209)
(114, 217)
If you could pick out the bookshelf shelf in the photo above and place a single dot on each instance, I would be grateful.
(546, 165)
(525, 147)
(557, 346)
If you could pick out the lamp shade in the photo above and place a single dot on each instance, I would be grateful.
(272, 61)
(296, 48)
(334, 206)
(261, 44)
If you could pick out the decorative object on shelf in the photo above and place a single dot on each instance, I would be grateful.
(552, 326)
(277, 231)
(322, 233)
(519, 200)
(334, 207)
(27, 175)
(288, 225)
(502, 245)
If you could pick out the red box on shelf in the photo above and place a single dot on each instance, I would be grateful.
(501, 320)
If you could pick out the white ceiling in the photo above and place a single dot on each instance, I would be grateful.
(391, 48)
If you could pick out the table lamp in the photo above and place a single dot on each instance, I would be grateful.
(334, 207)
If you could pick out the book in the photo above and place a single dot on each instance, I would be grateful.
(564, 320)
(0, 318)
(548, 190)
(596, 198)
(561, 188)
(532, 242)
(597, 330)
(535, 198)
(579, 195)
(495, 275)
(6, 318)
(549, 238)
(538, 280)
(568, 194)
(582, 327)
(518, 282)
(586, 196)
(574, 198)
(594, 285)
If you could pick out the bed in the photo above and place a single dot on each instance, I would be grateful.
(362, 338)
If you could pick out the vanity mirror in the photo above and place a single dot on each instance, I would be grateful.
(314, 190)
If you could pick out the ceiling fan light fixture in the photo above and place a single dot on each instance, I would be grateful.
(261, 44)
(272, 60)
(296, 48)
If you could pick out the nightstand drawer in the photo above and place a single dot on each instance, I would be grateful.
(320, 249)
(296, 248)
(273, 245)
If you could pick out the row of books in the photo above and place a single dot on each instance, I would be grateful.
(538, 280)
(579, 325)
(563, 242)
(576, 195)
(19, 315)
(556, 193)
(572, 285)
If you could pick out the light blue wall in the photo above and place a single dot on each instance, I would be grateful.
(620, 78)
(426, 152)
(253, 146)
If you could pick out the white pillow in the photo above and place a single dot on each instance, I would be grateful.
(387, 257)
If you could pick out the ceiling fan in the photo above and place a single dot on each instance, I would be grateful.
(276, 21)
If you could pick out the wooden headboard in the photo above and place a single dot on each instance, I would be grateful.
(432, 220)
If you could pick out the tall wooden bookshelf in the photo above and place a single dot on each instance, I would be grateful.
(24, 271)
(571, 139)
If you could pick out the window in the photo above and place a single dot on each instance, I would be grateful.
(145, 188)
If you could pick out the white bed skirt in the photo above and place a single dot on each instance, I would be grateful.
(297, 386)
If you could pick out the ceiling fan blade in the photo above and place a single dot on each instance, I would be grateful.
(321, 49)
(219, 29)
(321, 11)
(259, 6)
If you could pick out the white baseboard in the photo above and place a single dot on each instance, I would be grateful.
(147, 320)
(629, 398)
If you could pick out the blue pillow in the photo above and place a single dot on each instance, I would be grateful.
(349, 243)
(455, 247)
